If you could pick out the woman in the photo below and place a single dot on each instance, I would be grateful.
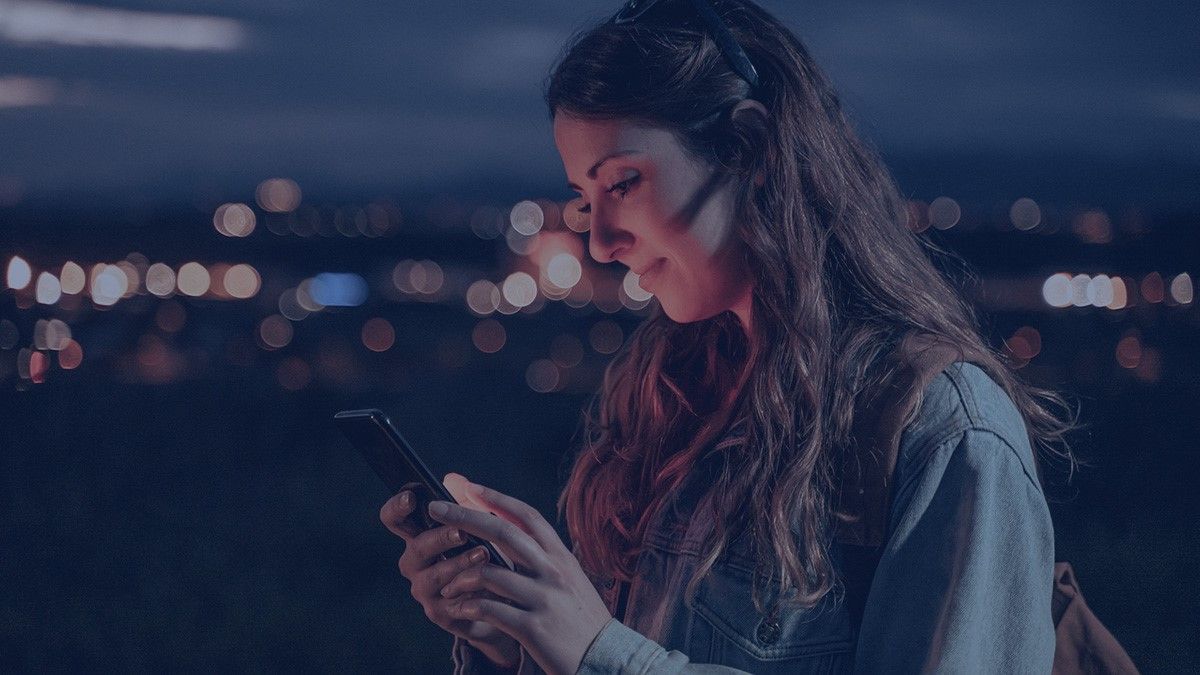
(713, 159)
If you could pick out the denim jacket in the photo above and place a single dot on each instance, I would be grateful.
(962, 585)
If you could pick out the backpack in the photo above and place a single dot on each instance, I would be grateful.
(1082, 643)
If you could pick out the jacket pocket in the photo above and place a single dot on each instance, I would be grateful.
(782, 638)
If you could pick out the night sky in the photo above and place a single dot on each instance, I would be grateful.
(396, 97)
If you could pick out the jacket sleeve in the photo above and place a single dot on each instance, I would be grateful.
(620, 650)
(963, 584)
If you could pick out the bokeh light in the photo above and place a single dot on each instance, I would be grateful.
(160, 280)
(425, 276)
(274, 332)
(542, 376)
(527, 217)
(48, 289)
(1152, 287)
(19, 273)
(1056, 290)
(193, 279)
(378, 334)
(489, 336)
(72, 279)
(918, 215)
(634, 291)
(564, 270)
(1093, 227)
(1129, 351)
(234, 220)
(278, 195)
(483, 297)
(1025, 214)
(109, 284)
(289, 306)
(944, 213)
(606, 337)
(1181, 288)
(1100, 291)
(133, 279)
(70, 356)
(576, 221)
(242, 281)
(50, 335)
(520, 289)
(518, 243)
(337, 289)
(1025, 343)
(488, 222)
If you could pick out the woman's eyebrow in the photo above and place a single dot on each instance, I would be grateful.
(591, 173)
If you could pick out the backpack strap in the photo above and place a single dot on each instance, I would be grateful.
(864, 497)
(865, 493)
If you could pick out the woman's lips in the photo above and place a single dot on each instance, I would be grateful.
(649, 275)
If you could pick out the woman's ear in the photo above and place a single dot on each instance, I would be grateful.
(752, 114)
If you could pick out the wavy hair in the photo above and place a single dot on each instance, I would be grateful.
(839, 277)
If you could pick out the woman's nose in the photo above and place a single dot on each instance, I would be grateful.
(605, 238)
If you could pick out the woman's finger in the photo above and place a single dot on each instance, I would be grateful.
(503, 582)
(395, 512)
(457, 484)
(511, 620)
(435, 577)
(519, 513)
(518, 545)
(423, 550)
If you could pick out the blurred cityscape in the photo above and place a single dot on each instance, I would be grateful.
(221, 223)
(346, 294)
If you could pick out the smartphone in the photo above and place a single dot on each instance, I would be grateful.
(399, 466)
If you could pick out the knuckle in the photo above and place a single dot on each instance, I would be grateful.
(508, 531)
(439, 576)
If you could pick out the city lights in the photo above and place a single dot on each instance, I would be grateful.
(520, 289)
(19, 273)
(72, 279)
(542, 264)
(278, 195)
(527, 218)
(234, 220)
(944, 213)
(49, 290)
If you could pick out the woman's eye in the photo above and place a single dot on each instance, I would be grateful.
(622, 188)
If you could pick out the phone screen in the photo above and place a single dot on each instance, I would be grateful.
(399, 466)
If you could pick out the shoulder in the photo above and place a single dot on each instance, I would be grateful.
(963, 410)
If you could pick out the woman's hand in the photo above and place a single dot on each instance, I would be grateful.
(421, 565)
(556, 612)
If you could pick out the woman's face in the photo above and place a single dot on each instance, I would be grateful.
(638, 205)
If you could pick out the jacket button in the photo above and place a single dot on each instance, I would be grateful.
(768, 632)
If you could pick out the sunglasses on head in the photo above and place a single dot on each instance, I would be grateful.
(717, 29)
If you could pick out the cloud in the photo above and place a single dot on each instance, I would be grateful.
(45, 21)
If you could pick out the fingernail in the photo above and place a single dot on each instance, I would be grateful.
(456, 535)
(477, 555)
(438, 508)
(406, 499)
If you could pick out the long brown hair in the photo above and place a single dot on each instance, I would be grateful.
(839, 277)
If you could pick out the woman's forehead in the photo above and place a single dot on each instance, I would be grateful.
(583, 142)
